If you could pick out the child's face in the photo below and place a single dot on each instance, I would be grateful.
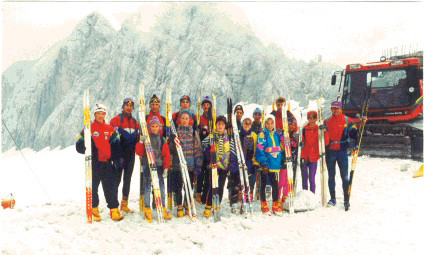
(185, 120)
(247, 124)
(312, 120)
(269, 124)
(154, 128)
(220, 127)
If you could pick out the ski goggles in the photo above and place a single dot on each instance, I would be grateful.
(129, 103)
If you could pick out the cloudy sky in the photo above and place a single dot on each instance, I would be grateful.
(342, 32)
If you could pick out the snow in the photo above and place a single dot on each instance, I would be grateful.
(385, 216)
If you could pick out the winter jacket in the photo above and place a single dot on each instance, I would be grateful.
(310, 150)
(161, 119)
(128, 129)
(105, 144)
(203, 127)
(248, 142)
(268, 150)
(191, 148)
(279, 120)
(257, 127)
(226, 157)
(160, 151)
(340, 130)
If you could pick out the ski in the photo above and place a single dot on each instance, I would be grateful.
(88, 170)
(299, 151)
(150, 155)
(355, 152)
(169, 181)
(214, 166)
(289, 159)
(191, 205)
(244, 176)
(321, 146)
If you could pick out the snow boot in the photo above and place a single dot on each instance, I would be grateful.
(264, 207)
(207, 212)
(96, 214)
(180, 211)
(124, 206)
(141, 203)
(198, 197)
(165, 214)
(115, 215)
(331, 202)
(276, 208)
(346, 205)
(148, 214)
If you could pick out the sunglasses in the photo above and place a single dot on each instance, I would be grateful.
(129, 103)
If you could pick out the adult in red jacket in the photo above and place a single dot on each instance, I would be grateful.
(128, 128)
(340, 129)
(104, 146)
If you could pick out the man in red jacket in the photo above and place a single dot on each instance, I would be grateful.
(128, 129)
(104, 145)
(340, 130)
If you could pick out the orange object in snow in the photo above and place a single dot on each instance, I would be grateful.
(8, 203)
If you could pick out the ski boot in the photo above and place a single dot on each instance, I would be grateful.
(96, 214)
(346, 205)
(148, 214)
(115, 215)
(124, 206)
(276, 208)
(331, 203)
(180, 211)
(264, 207)
(198, 198)
(207, 212)
(165, 214)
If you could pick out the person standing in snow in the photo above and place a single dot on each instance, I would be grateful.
(225, 157)
(310, 151)
(202, 180)
(340, 130)
(269, 156)
(193, 156)
(104, 147)
(163, 162)
(128, 128)
(257, 124)
(185, 105)
(239, 112)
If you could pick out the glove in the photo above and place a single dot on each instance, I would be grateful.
(165, 173)
(322, 127)
(198, 170)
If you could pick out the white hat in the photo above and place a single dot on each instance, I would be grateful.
(100, 108)
(270, 116)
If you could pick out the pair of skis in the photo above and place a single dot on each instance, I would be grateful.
(88, 157)
(188, 190)
(244, 176)
(321, 148)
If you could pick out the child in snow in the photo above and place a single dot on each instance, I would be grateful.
(225, 155)
(104, 146)
(269, 156)
(192, 150)
(310, 151)
(163, 161)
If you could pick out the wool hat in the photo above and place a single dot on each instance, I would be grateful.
(155, 120)
(312, 113)
(100, 108)
(185, 98)
(207, 99)
(221, 118)
(128, 100)
(336, 104)
(238, 107)
(154, 100)
(257, 111)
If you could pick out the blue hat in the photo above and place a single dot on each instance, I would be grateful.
(257, 111)
(128, 100)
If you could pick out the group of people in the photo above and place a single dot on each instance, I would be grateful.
(114, 147)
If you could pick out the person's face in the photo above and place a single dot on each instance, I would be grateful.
(154, 128)
(185, 104)
(257, 117)
(279, 106)
(336, 111)
(220, 127)
(100, 116)
(129, 107)
(247, 124)
(185, 119)
(206, 107)
(292, 127)
(155, 107)
(239, 114)
(312, 120)
(269, 124)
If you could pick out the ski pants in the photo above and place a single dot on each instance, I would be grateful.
(274, 184)
(309, 176)
(341, 158)
(147, 185)
(283, 183)
(179, 184)
(125, 165)
(105, 173)
(252, 179)
(233, 186)
(222, 176)
(202, 183)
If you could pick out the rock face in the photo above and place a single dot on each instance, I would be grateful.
(192, 47)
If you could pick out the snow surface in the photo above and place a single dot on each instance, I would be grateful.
(386, 216)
